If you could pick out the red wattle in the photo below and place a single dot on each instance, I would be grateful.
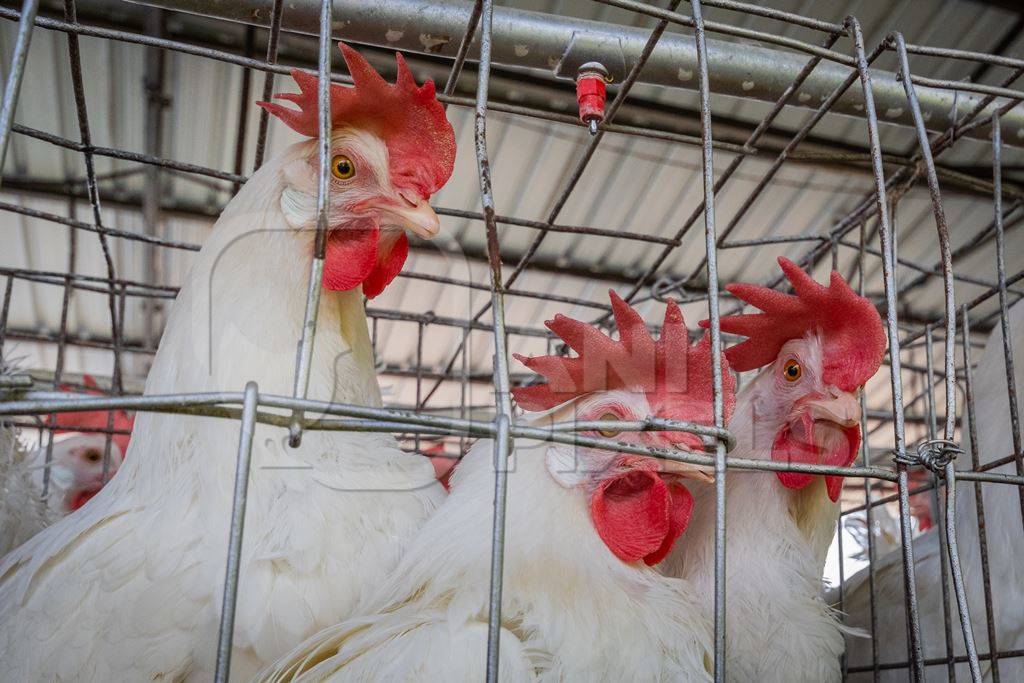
(638, 515)
(679, 518)
(392, 250)
(806, 442)
(351, 255)
(81, 498)
(793, 444)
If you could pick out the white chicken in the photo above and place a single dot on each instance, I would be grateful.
(23, 510)
(818, 347)
(1005, 549)
(76, 469)
(130, 586)
(580, 599)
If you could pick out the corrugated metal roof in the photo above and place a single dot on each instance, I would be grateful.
(637, 185)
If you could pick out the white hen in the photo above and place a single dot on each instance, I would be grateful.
(580, 602)
(129, 588)
(1005, 548)
(817, 347)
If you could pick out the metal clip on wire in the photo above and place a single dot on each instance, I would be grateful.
(933, 454)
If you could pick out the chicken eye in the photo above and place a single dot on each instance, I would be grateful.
(342, 167)
(791, 370)
(93, 456)
(609, 433)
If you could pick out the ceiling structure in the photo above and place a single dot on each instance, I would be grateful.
(193, 110)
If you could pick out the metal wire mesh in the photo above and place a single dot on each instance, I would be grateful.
(862, 237)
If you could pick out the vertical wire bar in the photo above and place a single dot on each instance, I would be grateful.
(940, 511)
(1004, 311)
(460, 56)
(12, 87)
(866, 455)
(957, 571)
(92, 187)
(979, 502)
(243, 107)
(268, 82)
(943, 231)
(950, 346)
(62, 340)
(463, 386)
(419, 376)
(304, 355)
(153, 192)
(502, 398)
(842, 581)
(886, 238)
(92, 190)
(710, 246)
(241, 495)
(116, 382)
(8, 289)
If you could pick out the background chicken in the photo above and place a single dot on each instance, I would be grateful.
(29, 504)
(129, 587)
(583, 525)
(1005, 547)
(23, 509)
(818, 346)
(77, 456)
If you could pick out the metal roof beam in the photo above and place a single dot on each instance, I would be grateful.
(534, 40)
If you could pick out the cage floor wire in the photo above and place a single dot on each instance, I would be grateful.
(882, 142)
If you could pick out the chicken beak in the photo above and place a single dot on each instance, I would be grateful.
(703, 473)
(842, 409)
(417, 218)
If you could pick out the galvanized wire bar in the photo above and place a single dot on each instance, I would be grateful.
(268, 82)
(238, 505)
(304, 355)
(12, 87)
(888, 257)
(949, 357)
(941, 227)
(940, 512)
(502, 395)
(710, 242)
(58, 367)
(243, 108)
(460, 56)
(5, 312)
(1004, 314)
(92, 188)
(970, 423)
(942, 459)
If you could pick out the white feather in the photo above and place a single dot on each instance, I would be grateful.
(778, 627)
(129, 587)
(23, 510)
(571, 611)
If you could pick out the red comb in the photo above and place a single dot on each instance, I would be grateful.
(66, 423)
(410, 120)
(675, 376)
(853, 338)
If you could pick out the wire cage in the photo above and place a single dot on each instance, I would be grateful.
(885, 146)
